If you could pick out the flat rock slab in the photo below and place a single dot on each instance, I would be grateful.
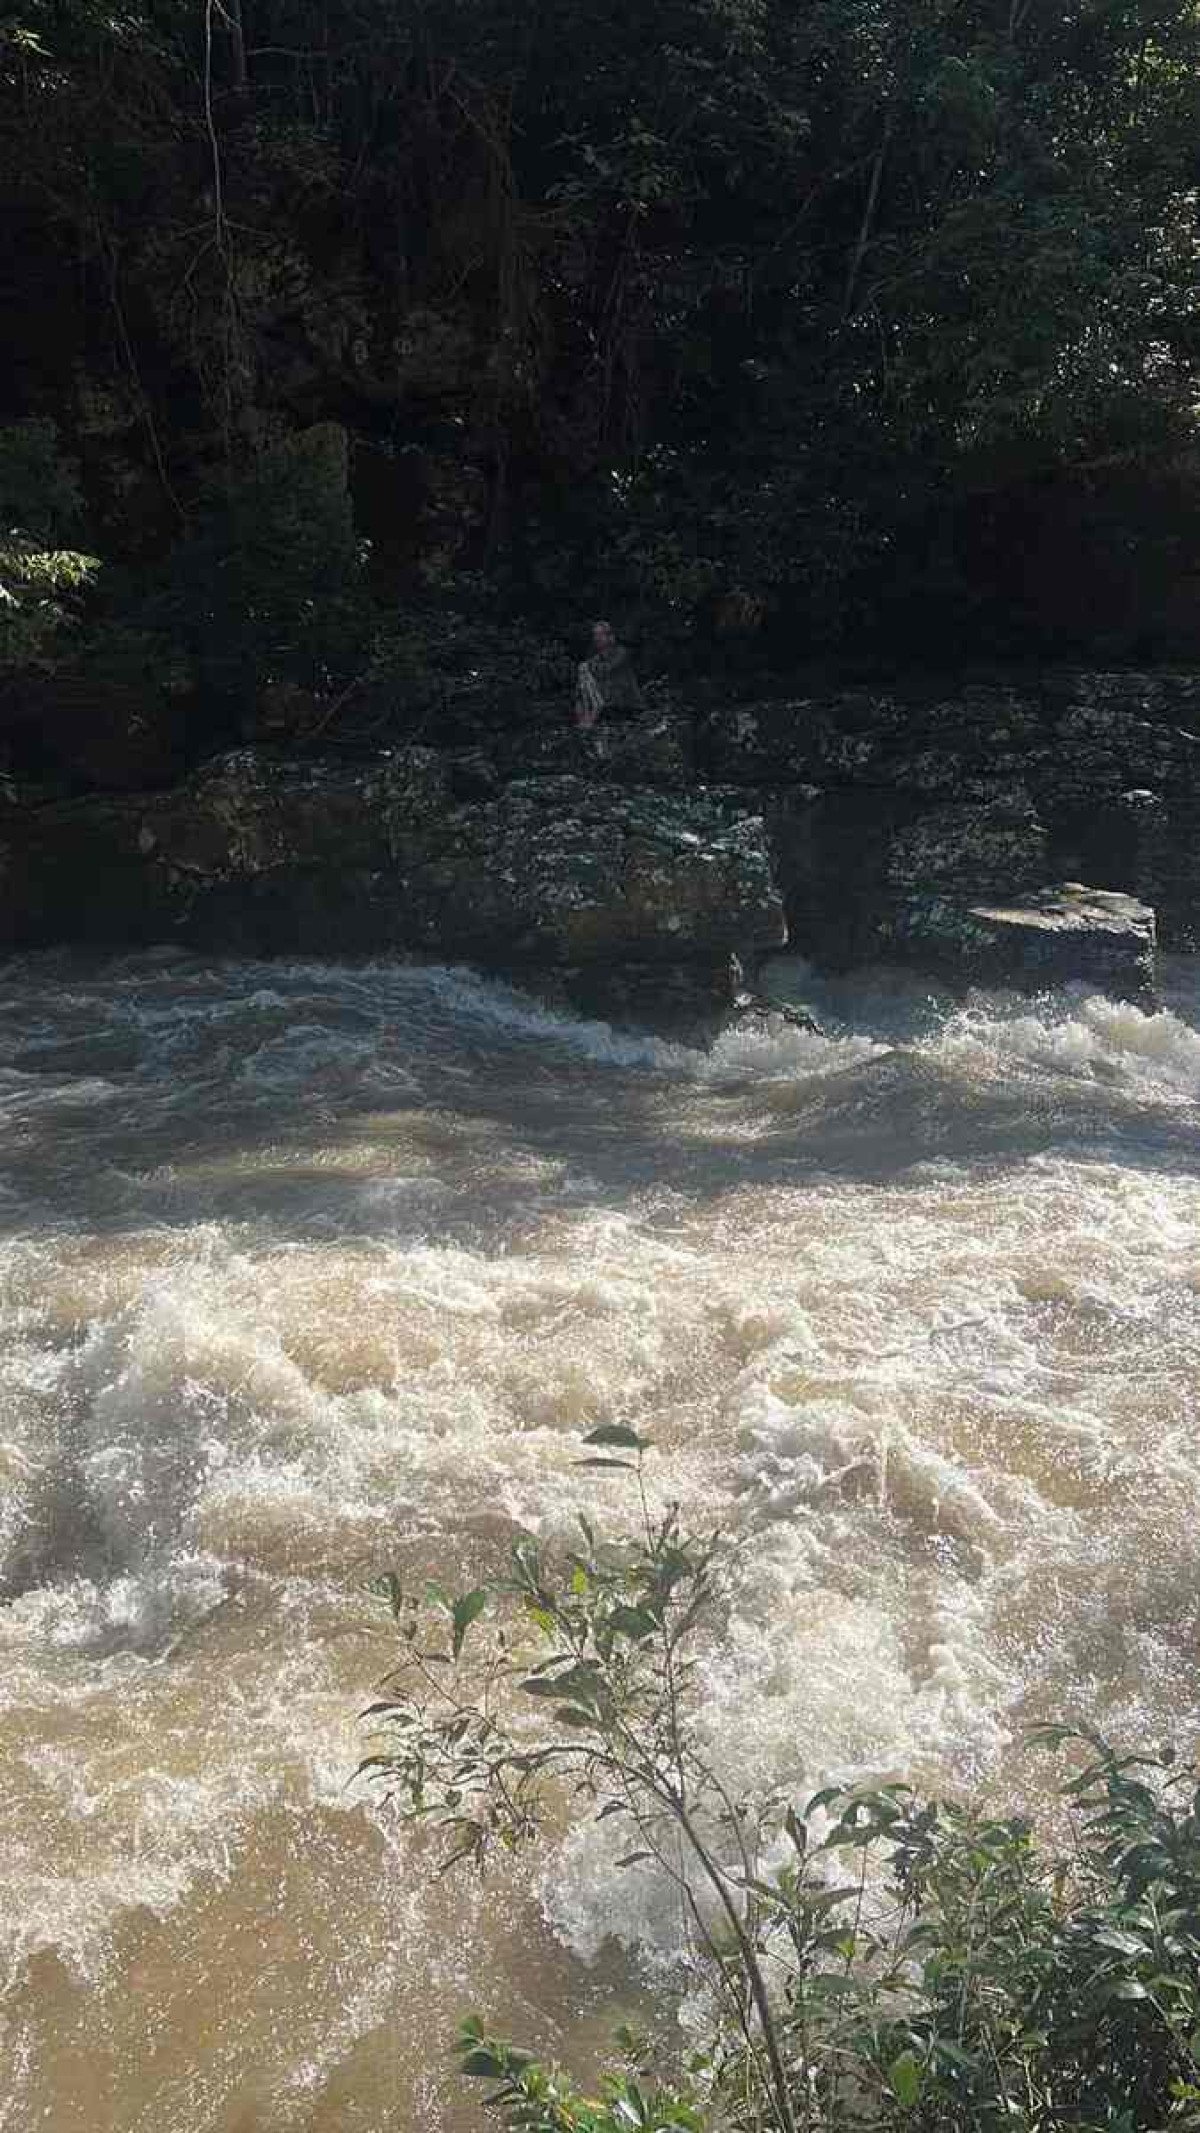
(1068, 934)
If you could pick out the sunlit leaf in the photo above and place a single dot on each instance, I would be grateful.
(905, 2079)
(465, 1611)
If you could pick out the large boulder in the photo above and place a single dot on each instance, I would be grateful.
(1121, 787)
(992, 843)
(915, 785)
(605, 892)
(849, 860)
(652, 749)
(251, 853)
(565, 871)
(1057, 936)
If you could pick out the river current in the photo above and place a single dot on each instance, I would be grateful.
(311, 1271)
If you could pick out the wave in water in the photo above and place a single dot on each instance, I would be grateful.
(307, 1270)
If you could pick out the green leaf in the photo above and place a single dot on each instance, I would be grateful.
(389, 1588)
(824, 1798)
(954, 2055)
(817, 1900)
(632, 1858)
(905, 2079)
(465, 1611)
(483, 2064)
(632, 1622)
(626, 1465)
(832, 1985)
(527, 1564)
(1049, 1736)
(578, 1683)
(627, 2112)
(1123, 1943)
(618, 1435)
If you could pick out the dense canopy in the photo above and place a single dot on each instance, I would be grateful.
(777, 329)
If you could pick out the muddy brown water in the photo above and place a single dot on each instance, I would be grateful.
(307, 1271)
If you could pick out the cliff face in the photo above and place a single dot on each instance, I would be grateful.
(880, 801)
(646, 873)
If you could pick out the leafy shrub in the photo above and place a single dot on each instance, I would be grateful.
(910, 1965)
(439, 669)
(268, 586)
(41, 601)
(42, 583)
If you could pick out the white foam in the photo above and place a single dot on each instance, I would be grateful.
(338, 1268)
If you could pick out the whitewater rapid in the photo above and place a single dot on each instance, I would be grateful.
(309, 1271)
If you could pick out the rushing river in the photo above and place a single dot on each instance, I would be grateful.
(308, 1271)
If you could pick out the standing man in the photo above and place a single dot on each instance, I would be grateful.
(605, 681)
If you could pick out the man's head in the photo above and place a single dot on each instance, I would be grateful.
(603, 636)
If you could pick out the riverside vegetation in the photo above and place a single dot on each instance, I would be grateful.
(871, 1959)
(358, 353)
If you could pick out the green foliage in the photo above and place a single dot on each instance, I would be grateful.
(544, 2100)
(42, 584)
(267, 587)
(877, 1961)
(41, 600)
(40, 497)
(727, 306)
(434, 665)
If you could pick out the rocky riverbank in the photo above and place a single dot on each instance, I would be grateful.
(993, 834)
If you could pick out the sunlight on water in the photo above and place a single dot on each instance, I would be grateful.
(306, 1271)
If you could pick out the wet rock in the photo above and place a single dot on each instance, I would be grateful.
(979, 787)
(848, 860)
(1057, 936)
(249, 815)
(652, 750)
(1121, 788)
(76, 871)
(548, 874)
(685, 1001)
(253, 852)
(474, 774)
(568, 872)
(761, 1012)
(992, 844)
(830, 851)
(536, 847)
(1153, 841)
(926, 745)
(282, 711)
